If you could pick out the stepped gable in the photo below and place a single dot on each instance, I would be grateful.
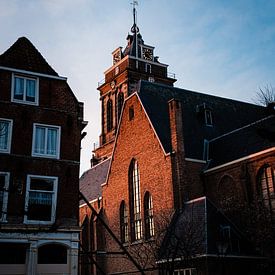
(90, 182)
(242, 142)
(227, 115)
(23, 55)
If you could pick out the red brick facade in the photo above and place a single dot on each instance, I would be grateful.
(57, 110)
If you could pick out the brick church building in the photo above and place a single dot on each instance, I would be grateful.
(183, 180)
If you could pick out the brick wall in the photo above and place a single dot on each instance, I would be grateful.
(57, 106)
(136, 139)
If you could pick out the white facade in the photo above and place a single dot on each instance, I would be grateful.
(33, 242)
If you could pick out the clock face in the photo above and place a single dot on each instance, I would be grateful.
(147, 54)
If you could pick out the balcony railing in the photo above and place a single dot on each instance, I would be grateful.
(170, 75)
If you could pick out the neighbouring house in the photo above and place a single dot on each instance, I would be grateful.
(185, 180)
(40, 132)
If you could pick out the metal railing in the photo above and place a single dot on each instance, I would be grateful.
(171, 75)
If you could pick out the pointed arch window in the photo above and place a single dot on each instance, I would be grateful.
(109, 115)
(135, 202)
(124, 235)
(267, 186)
(120, 103)
(148, 216)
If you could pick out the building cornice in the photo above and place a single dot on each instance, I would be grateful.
(33, 73)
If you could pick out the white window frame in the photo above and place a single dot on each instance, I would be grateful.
(192, 271)
(3, 216)
(24, 101)
(9, 135)
(47, 126)
(54, 199)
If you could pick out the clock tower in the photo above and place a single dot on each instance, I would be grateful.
(135, 62)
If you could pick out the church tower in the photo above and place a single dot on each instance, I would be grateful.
(135, 62)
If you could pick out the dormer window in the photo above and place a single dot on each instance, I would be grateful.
(204, 112)
(25, 89)
(208, 117)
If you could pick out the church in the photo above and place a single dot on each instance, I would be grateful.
(182, 182)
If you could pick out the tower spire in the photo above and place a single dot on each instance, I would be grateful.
(134, 29)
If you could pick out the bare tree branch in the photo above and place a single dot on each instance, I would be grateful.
(265, 95)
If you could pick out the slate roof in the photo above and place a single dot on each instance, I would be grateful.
(242, 142)
(23, 55)
(90, 182)
(227, 115)
(196, 231)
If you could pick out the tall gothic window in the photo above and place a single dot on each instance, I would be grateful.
(135, 202)
(267, 186)
(148, 216)
(120, 103)
(124, 223)
(109, 115)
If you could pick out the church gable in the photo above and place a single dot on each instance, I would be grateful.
(137, 140)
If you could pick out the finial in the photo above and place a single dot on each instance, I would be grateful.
(134, 29)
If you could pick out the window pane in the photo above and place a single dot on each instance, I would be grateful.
(51, 141)
(40, 206)
(18, 88)
(52, 254)
(39, 146)
(41, 184)
(13, 253)
(267, 188)
(4, 132)
(30, 90)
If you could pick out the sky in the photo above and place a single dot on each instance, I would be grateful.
(224, 48)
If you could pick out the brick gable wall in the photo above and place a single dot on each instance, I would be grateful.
(136, 139)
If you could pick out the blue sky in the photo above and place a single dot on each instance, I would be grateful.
(225, 48)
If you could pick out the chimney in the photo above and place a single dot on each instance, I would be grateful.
(177, 156)
(175, 116)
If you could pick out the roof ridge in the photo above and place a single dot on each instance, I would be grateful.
(198, 93)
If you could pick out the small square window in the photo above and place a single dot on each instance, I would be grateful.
(41, 196)
(46, 141)
(4, 193)
(25, 89)
(5, 135)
